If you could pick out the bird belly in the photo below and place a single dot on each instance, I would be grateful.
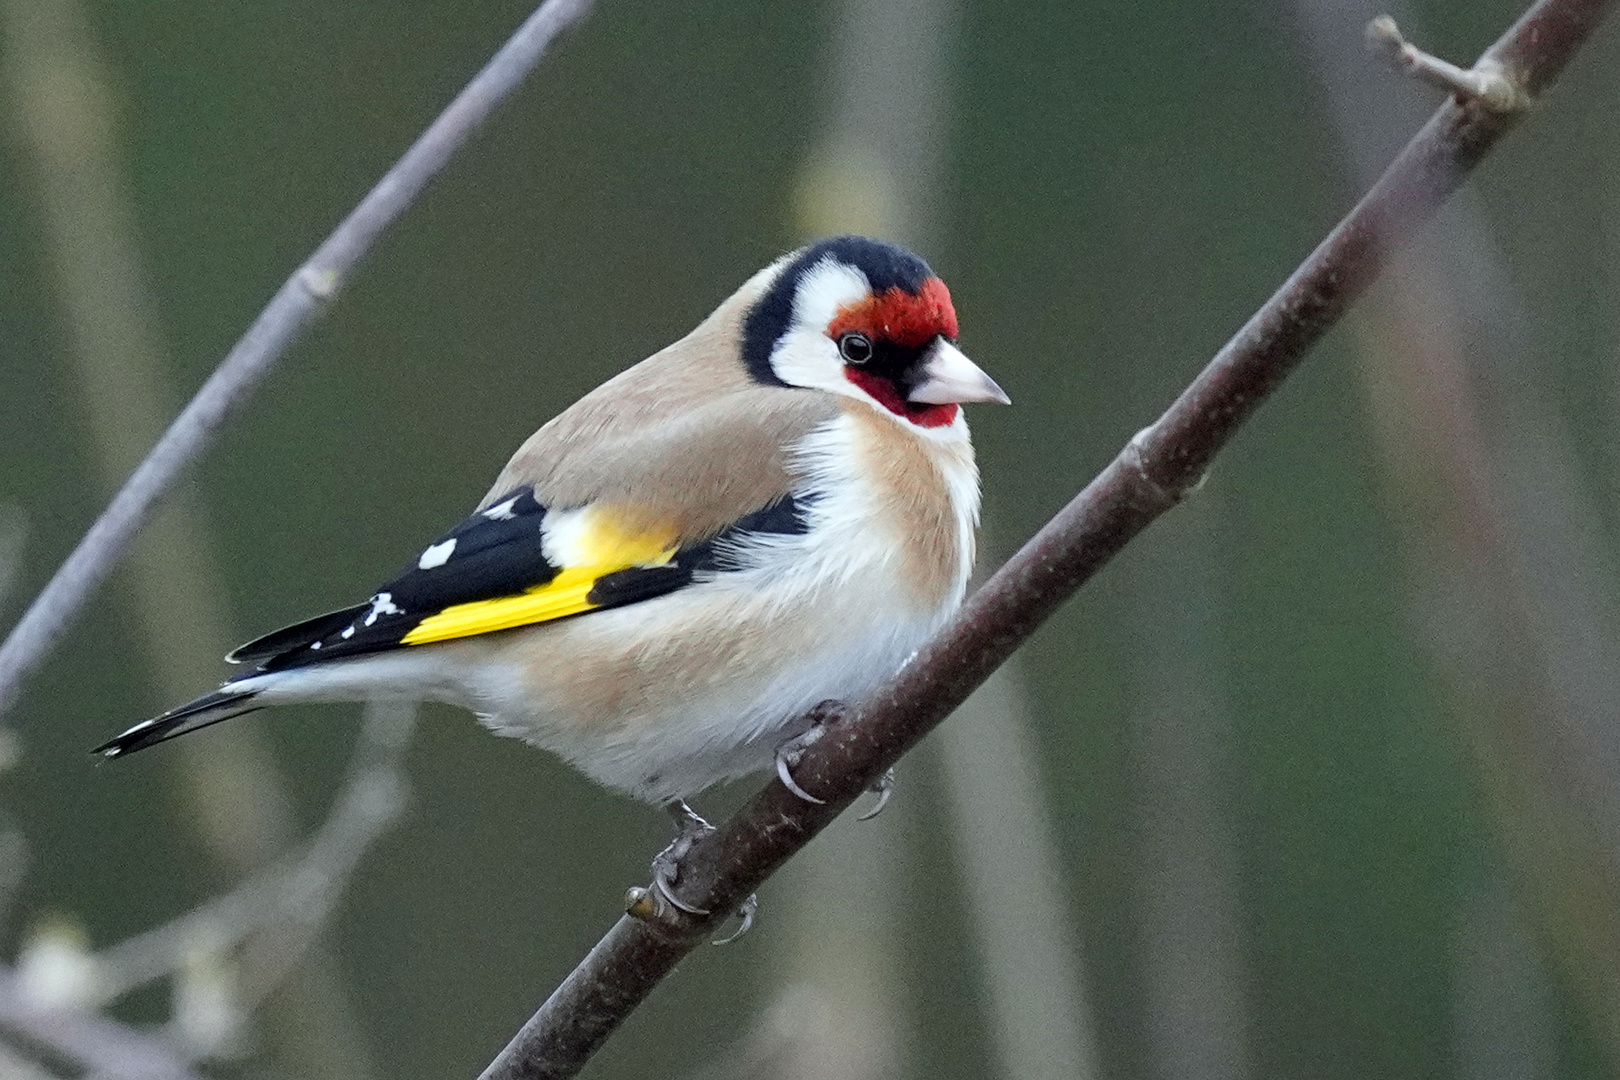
(663, 698)
(667, 696)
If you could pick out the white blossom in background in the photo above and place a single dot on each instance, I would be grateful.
(56, 967)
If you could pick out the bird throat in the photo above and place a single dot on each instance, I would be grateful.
(888, 395)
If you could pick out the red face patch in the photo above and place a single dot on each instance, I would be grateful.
(919, 413)
(897, 316)
(911, 321)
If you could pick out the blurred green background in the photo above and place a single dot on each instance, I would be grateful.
(1321, 778)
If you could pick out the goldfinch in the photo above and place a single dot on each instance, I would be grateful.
(774, 511)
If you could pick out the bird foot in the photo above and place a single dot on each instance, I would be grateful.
(791, 752)
(666, 872)
(666, 865)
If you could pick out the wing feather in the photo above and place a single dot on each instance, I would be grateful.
(516, 563)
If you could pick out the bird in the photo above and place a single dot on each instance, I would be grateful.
(771, 513)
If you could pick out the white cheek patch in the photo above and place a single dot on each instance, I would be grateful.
(824, 288)
(805, 355)
(809, 358)
(436, 555)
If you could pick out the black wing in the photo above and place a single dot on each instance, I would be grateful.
(493, 554)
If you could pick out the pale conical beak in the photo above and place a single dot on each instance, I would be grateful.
(950, 378)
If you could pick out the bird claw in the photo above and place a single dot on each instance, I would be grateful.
(664, 875)
(786, 758)
(792, 750)
(746, 912)
(666, 871)
(882, 787)
(666, 868)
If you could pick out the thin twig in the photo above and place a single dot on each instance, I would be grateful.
(1510, 595)
(297, 891)
(304, 296)
(1154, 471)
(90, 1043)
(1487, 81)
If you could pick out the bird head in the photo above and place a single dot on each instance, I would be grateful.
(866, 320)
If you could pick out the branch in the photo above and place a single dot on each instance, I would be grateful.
(294, 307)
(1153, 472)
(89, 1042)
(1510, 598)
(1487, 80)
(293, 896)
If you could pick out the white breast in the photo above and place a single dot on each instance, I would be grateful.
(665, 697)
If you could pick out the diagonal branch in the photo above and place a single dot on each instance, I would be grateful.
(295, 306)
(1153, 472)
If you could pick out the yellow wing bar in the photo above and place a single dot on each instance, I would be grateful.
(593, 543)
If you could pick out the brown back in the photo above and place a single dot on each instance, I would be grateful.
(685, 439)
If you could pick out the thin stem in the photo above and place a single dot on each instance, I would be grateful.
(298, 890)
(1486, 81)
(91, 1043)
(1510, 592)
(294, 307)
(1153, 472)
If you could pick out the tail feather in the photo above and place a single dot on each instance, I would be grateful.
(296, 636)
(222, 704)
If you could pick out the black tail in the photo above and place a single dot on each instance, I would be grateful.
(222, 704)
(296, 636)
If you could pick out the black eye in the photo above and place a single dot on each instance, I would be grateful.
(855, 348)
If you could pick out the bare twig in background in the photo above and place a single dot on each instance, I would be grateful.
(1013, 876)
(13, 844)
(226, 955)
(293, 895)
(14, 1066)
(1514, 596)
(65, 106)
(1506, 1010)
(1487, 80)
(878, 171)
(1154, 471)
(85, 1043)
(13, 531)
(292, 309)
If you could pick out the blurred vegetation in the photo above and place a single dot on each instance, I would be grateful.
(1122, 186)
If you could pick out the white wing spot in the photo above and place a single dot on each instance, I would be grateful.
(348, 632)
(436, 555)
(382, 604)
(314, 644)
(502, 511)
